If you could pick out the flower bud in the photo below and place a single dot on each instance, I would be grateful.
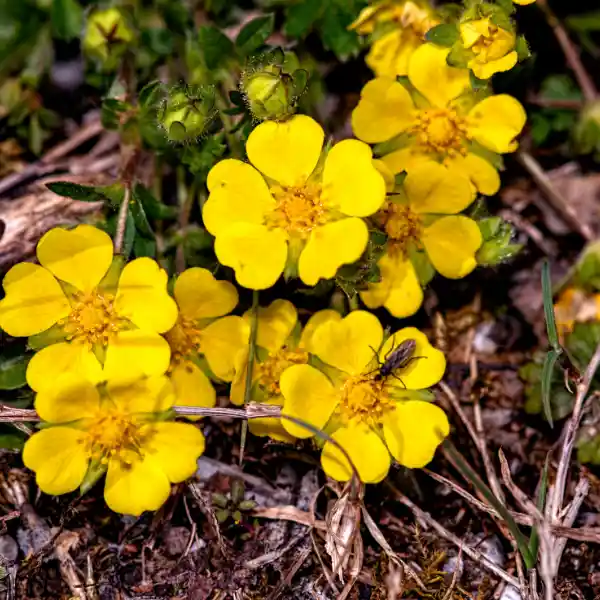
(497, 244)
(107, 35)
(186, 113)
(587, 131)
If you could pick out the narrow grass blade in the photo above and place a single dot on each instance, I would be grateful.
(546, 382)
(549, 306)
(534, 539)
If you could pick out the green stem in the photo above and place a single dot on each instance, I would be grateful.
(233, 142)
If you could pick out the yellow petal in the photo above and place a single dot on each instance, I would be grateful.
(79, 256)
(480, 172)
(271, 427)
(350, 180)
(275, 324)
(432, 188)
(192, 387)
(58, 458)
(496, 121)
(420, 373)
(199, 295)
(331, 246)
(238, 194)
(413, 432)
(484, 70)
(70, 398)
(471, 31)
(136, 353)
(34, 301)
(255, 253)
(142, 296)
(308, 396)
(349, 344)
(221, 342)
(132, 489)
(315, 321)
(365, 449)
(451, 244)
(405, 159)
(431, 75)
(53, 361)
(238, 385)
(390, 54)
(383, 111)
(523, 2)
(386, 173)
(147, 395)
(399, 289)
(287, 152)
(175, 448)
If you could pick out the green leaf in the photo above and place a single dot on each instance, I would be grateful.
(522, 48)
(152, 207)
(66, 17)
(301, 17)
(534, 539)
(254, 34)
(216, 46)
(84, 193)
(12, 372)
(445, 34)
(139, 216)
(149, 94)
(335, 34)
(547, 375)
(549, 307)
(584, 23)
(11, 438)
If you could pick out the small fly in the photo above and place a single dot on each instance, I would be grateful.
(395, 359)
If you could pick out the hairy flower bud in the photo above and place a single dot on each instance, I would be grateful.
(107, 35)
(186, 112)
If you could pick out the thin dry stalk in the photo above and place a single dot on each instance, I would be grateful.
(122, 220)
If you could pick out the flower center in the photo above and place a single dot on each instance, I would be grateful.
(115, 435)
(184, 339)
(299, 209)
(364, 399)
(402, 226)
(270, 370)
(441, 130)
(93, 319)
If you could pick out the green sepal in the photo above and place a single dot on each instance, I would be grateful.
(94, 473)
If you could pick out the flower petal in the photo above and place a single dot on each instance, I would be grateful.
(451, 244)
(34, 301)
(309, 396)
(405, 159)
(364, 447)
(70, 398)
(484, 70)
(496, 121)
(287, 152)
(269, 426)
(331, 246)
(255, 253)
(142, 296)
(483, 176)
(399, 289)
(275, 324)
(79, 256)
(57, 456)
(413, 432)
(350, 343)
(133, 488)
(315, 321)
(222, 340)
(429, 72)
(238, 194)
(432, 188)
(175, 448)
(389, 55)
(147, 395)
(199, 295)
(192, 387)
(136, 353)
(53, 361)
(238, 384)
(426, 368)
(350, 180)
(384, 110)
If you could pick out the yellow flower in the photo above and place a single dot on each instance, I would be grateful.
(369, 416)
(279, 345)
(493, 48)
(439, 127)
(423, 217)
(198, 331)
(95, 326)
(405, 24)
(114, 429)
(523, 2)
(574, 305)
(289, 210)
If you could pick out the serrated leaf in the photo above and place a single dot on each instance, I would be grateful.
(84, 193)
(66, 17)
(12, 372)
(215, 45)
(445, 34)
(301, 17)
(254, 34)
(149, 94)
